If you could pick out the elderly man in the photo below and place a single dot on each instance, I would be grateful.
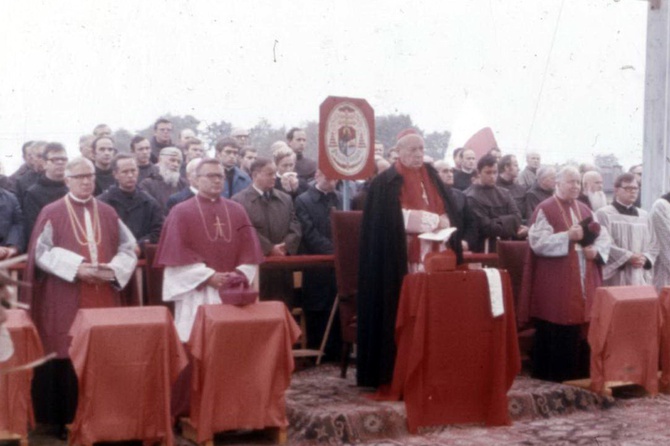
(592, 193)
(81, 254)
(141, 148)
(493, 208)
(168, 180)
(403, 201)
(529, 174)
(103, 152)
(162, 137)
(561, 275)
(240, 135)
(541, 190)
(634, 249)
(297, 140)
(49, 187)
(137, 209)
(272, 214)
(463, 177)
(508, 173)
(189, 191)
(219, 231)
(236, 180)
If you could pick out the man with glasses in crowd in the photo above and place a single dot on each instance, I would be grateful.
(81, 254)
(49, 187)
(162, 138)
(236, 180)
(634, 249)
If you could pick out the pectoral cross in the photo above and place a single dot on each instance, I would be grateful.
(219, 227)
(424, 195)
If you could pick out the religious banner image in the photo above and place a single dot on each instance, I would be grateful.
(347, 141)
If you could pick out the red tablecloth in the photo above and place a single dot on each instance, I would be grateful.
(16, 408)
(126, 360)
(623, 336)
(242, 367)
(455, 361)
(664, 308)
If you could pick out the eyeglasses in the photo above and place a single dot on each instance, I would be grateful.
(231, 152)
(213, 176)
(630, 188)
(58, 159)
(83, 176)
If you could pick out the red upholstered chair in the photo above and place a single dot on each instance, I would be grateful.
(346, 228)
(512, 257)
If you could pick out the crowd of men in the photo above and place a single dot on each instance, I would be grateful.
(84, 222)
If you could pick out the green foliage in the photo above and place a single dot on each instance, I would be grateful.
(264, 134)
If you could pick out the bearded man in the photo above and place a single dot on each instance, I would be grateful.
(168, 181)
(592, 190)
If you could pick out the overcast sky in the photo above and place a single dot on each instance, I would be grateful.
(570, 87)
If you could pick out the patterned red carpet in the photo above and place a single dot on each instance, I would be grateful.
(324, 409)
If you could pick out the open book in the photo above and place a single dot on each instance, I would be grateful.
(440, 236)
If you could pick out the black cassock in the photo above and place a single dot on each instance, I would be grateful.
(383, 265)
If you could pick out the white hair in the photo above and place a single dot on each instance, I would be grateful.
(77, 162)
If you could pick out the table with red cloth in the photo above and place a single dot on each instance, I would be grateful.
(623, 336)
(126, 360)
(242, 365)
(455, 362)
(16, 408)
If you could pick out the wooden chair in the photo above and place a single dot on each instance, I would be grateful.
(346, 228)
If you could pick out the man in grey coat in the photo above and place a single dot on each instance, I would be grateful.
(273, 216)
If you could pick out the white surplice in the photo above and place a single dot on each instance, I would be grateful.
(545, 242)
(630, 235)
(185, 286)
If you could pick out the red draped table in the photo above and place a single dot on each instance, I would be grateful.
(126, 360)
(16, 409)
(242, 367)
(455, 361)
(623, 336)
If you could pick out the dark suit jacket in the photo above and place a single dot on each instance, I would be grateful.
(177, 198)
(275, 220)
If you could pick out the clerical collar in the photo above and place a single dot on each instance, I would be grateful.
(194, 190)
(467, 171)
(567, 201)
(623, 209)
(79, 200)
(207, 199)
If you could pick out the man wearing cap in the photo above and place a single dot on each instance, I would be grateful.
(405, 200)
(168, 181)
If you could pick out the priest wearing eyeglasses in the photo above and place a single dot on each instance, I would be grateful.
(80, 256)
(207, 246)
